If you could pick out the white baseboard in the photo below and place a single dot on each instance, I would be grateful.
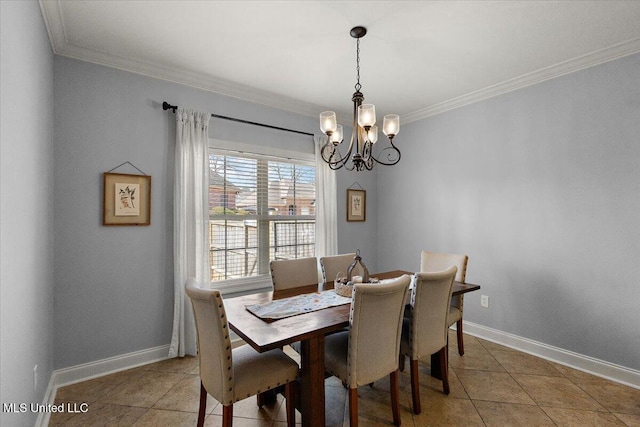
(88, 371)
(600, 368)
(91, 370)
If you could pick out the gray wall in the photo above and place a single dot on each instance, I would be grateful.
(541, 188)
(26, 217)
(114, 285)
(356, 235)
(538, 186)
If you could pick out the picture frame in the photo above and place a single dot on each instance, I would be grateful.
(126, 199)
(356, 205)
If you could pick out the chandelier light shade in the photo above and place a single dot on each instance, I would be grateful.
(367, 115)
(391, 125)
(364, 131)
(328, 123)
(336, 136)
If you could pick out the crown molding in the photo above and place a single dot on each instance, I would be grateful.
(54, 21)
(189, 78)
(576, 64)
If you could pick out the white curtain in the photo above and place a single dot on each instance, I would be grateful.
(326, 204)
(190, 219)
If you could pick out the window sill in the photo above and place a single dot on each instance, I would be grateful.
(235, 288)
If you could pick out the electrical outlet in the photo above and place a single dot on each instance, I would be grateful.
(484, 301)
(35, 377)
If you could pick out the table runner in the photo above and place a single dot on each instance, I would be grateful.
(299, 304)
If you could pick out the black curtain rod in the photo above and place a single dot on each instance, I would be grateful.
(167, 106)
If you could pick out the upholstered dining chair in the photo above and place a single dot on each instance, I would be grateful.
(434, 261)
(293, 273)
(230, 375)
(425, 331)
(369, 350)
(334, 264)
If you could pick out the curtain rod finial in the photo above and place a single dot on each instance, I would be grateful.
(166, 106)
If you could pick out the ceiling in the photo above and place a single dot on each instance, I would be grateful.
(418, 59)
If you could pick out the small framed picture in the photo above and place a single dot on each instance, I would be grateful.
(126, 199)
(356, 205)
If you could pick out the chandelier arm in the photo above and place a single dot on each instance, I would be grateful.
(367, 150)
(342, 162)
(349, 168)
(323, 151)
(391, 153)
(328, 153)
(357, 99)
(369, 163)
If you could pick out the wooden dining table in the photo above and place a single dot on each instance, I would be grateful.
(309, 329)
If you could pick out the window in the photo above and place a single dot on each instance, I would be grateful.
(260, 208)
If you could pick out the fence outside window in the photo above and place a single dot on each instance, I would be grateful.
(234, 245)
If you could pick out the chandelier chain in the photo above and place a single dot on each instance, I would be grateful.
(358, 86)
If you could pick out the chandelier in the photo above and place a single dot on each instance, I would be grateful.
(364, 131)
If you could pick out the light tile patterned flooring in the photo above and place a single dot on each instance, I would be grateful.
(491, 385)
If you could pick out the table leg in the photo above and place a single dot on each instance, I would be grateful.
(312, 382)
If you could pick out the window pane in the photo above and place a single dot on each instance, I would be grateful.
(292, 239)
(291, 189)
(234, 247)
(232, 182)
(248, 196)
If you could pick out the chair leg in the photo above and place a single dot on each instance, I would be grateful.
(415, 387)
(460, 340)
(266, 397)
(401, 363)
(290, 395)
(227, 416)
(203, 405)
(444, 369)
(395, 397)
(353, 407)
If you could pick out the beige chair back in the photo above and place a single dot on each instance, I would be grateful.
(293, 273)
(214, 344)
(434, 261)
(430, 299)
(375, 330)
(332, 265)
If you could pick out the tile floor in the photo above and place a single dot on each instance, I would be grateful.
(491, 385)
